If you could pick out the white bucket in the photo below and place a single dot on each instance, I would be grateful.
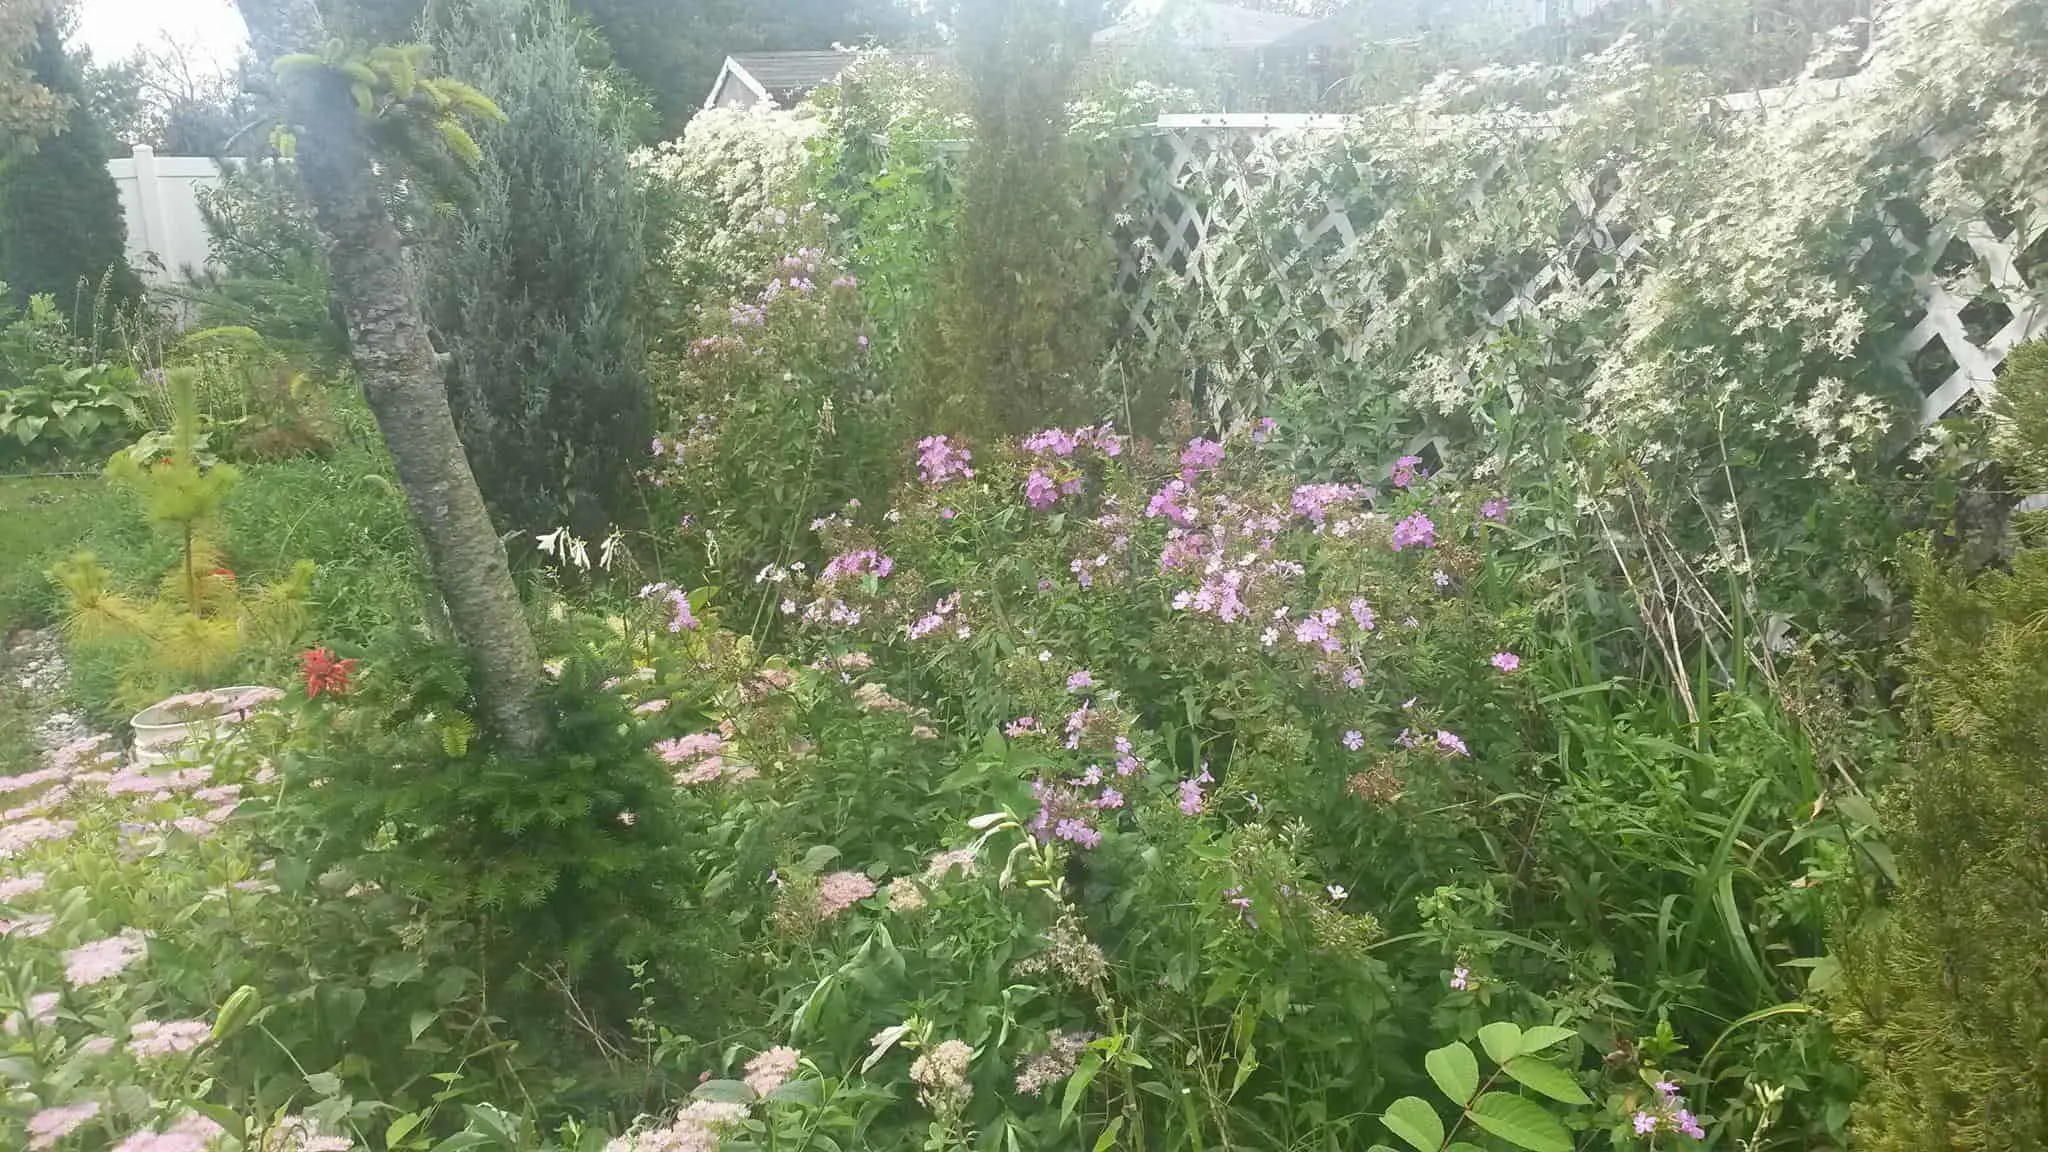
(163, 728)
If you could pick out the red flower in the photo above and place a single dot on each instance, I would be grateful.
(324, 673)
(224, 573)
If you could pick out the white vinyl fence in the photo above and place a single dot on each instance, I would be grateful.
(160, 199)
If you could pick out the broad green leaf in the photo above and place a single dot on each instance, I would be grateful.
(324, 1083)
(1543, 1036)
(1502, 1041)
(1077, 1086)
(1108, 1138)
(1520, 1122)
(1413, 1120)
(724, 1092)
(399, 1127)
(1455, 1070)
(1546, 1078)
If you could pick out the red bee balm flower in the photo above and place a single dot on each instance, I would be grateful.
(324, 673)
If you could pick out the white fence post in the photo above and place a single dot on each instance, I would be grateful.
(149, 204)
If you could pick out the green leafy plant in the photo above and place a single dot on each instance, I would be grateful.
(1517, 1119)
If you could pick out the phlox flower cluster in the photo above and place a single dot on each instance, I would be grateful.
(1312, 502)
(1414, 531)
(1407, 470)
(1055, 476)
(1668, 1114)
(681, 619)
(1198, 457)
(934, 620)
(859, 562)
(938, 461)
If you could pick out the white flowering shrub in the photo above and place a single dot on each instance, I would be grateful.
(733, 189)
(1603, 273)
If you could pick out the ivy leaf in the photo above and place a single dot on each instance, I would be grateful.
(1520, 1122)
(1502, 1041)
(1543, 1036)
(1455, 1070)
(1546, 1078)
(1412, 1119)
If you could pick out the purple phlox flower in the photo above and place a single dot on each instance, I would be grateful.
(1407, 470)
(1190, 798)
(1461, 978)
(1495, 510)
(1689, 1124)
(1417, 531)
(1198, 457)
(1449, 742)
(1361, 614)
(1440, 578)
(1110, 798)
(1667, 1089)
(1354, 739)
(1039, 491)
(1080, 681)
(861, 340)
(1313, 501)
(1020, 726)
(1078, 832)
(1263, 430)
(1203, 776)
(1166, 502)
(938, 461)
(1645, 1123)
(1506, 661)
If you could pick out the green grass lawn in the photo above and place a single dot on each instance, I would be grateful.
(39, 521)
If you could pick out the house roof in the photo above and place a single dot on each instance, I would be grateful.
(783, 73)
(1210, 25)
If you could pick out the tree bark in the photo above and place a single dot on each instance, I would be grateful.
(400, 377)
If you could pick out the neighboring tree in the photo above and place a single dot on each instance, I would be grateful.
(396, 365)
(1947, 997)
(532, 286)
(1022, 309)
(183, 106)
(29, 108)
(61, 228)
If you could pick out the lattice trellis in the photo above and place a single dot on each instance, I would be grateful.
(1191, 267)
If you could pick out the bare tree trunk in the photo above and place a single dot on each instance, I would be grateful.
(401, 379)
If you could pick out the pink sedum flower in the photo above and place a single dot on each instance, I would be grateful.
(102, 960)
(769, 1070)
(50, 1125)
(842, 890)
(149, 1039)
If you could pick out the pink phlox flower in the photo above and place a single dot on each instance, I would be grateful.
(1645, 1123)
(1449, 742)
(1407, 470)
(938, 461)
(1313, 502)
(1416, 531)
(1198, 457)
(1354, 739)
(1495, 510)
(1039, 491)
(1190, 798)
(1506, 661)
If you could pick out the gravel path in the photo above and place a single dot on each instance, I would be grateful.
(35, 664)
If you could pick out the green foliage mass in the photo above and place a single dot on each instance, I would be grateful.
(1947, 993)
(532, 286)
(1022, 320)
(61, 230)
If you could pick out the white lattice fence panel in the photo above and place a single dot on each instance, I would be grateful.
(1197, 268)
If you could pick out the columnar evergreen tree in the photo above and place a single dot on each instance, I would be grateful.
(1022, 312)
(1949, 987)
(60, 215)
(532, 286)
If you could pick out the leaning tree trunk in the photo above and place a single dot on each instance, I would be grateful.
(400, 376)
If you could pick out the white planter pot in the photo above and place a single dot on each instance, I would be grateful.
(163, 729)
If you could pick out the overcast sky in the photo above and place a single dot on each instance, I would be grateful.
(114, 28)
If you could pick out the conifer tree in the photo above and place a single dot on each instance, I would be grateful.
(532, 286)
(61, 228)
